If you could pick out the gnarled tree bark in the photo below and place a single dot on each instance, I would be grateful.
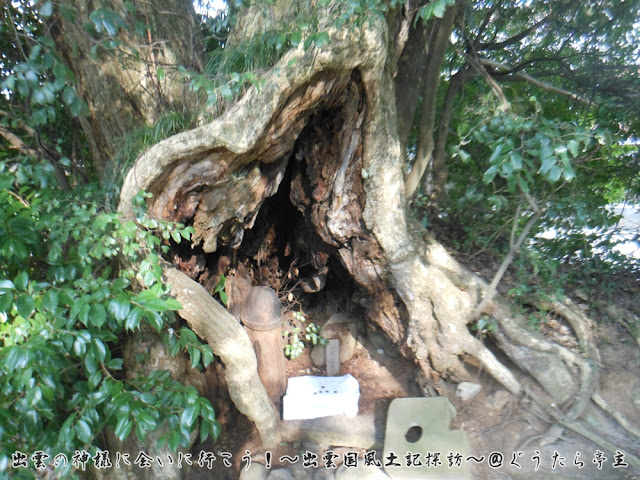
(331, 119)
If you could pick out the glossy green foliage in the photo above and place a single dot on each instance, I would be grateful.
(567, 135)
(67, 296)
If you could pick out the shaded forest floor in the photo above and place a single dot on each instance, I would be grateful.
(493, 420)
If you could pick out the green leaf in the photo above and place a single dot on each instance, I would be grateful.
(189, 415)
(207, 356)
(107, 21)
(25, 305)
(205, 428)
(439, 7)
(155, 319)
(150, 301)
(569, 174)
(573, 147)
(226, 92)
(425, 13)
(464, 156)
(68, 95)
(321, 39)
(6, 286)
(98, 315)
(99, 349)
(195, 357)
(115, 364)
(490, 174)
(6, 301)
(79, 347)
(50, 301)
(516, 160)
(145, 420)
(174, 440)
(547, 163)
(123, 427)
(216, 430)
(94, 379)
(13, 357)
(173, 304)
(160, 73)
(133, 319)
(555, 173)
(296, 38)
(21, 281)
(83, 431)
(496, 154)
(119, 307)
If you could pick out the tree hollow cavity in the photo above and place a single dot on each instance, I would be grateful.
(290, 208)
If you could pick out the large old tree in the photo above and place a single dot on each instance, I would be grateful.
(317, 147)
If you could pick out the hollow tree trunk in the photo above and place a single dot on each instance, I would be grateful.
(331, 120)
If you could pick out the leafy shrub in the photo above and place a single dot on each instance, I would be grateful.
(75, 278)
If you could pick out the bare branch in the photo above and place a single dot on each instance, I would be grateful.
(514, 248)
(497, 91)
(514, 39)
(538, 83)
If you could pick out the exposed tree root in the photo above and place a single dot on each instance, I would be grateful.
(226, 337)
(330, 122)
(624, 423)
(578, 428)
(512, 331)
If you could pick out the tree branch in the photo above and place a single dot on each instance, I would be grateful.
(538, 83)
(16, 143)
(514, 248)
(429, 93)
(514, 39)
(497, 91)
(439, 166)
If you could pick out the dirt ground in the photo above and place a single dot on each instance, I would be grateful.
(495, 422)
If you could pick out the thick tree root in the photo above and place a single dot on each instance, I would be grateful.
(578, 428)
(513, 331)
(624, 423)
(226, 337)
(350, 188)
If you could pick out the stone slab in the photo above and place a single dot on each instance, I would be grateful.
(421, 426)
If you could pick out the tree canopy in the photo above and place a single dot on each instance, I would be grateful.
(514, 119)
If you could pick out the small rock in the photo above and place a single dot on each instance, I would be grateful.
(342, 327)
(381, 342)
(581, 294)
(467, 390)
(256, 471)
(280, 474)
(324, 474)
(345, 328)
(498, 399)
(361, 472)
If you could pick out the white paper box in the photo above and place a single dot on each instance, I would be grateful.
(314, 397)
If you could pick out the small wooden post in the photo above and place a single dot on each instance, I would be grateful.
(262, 318)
